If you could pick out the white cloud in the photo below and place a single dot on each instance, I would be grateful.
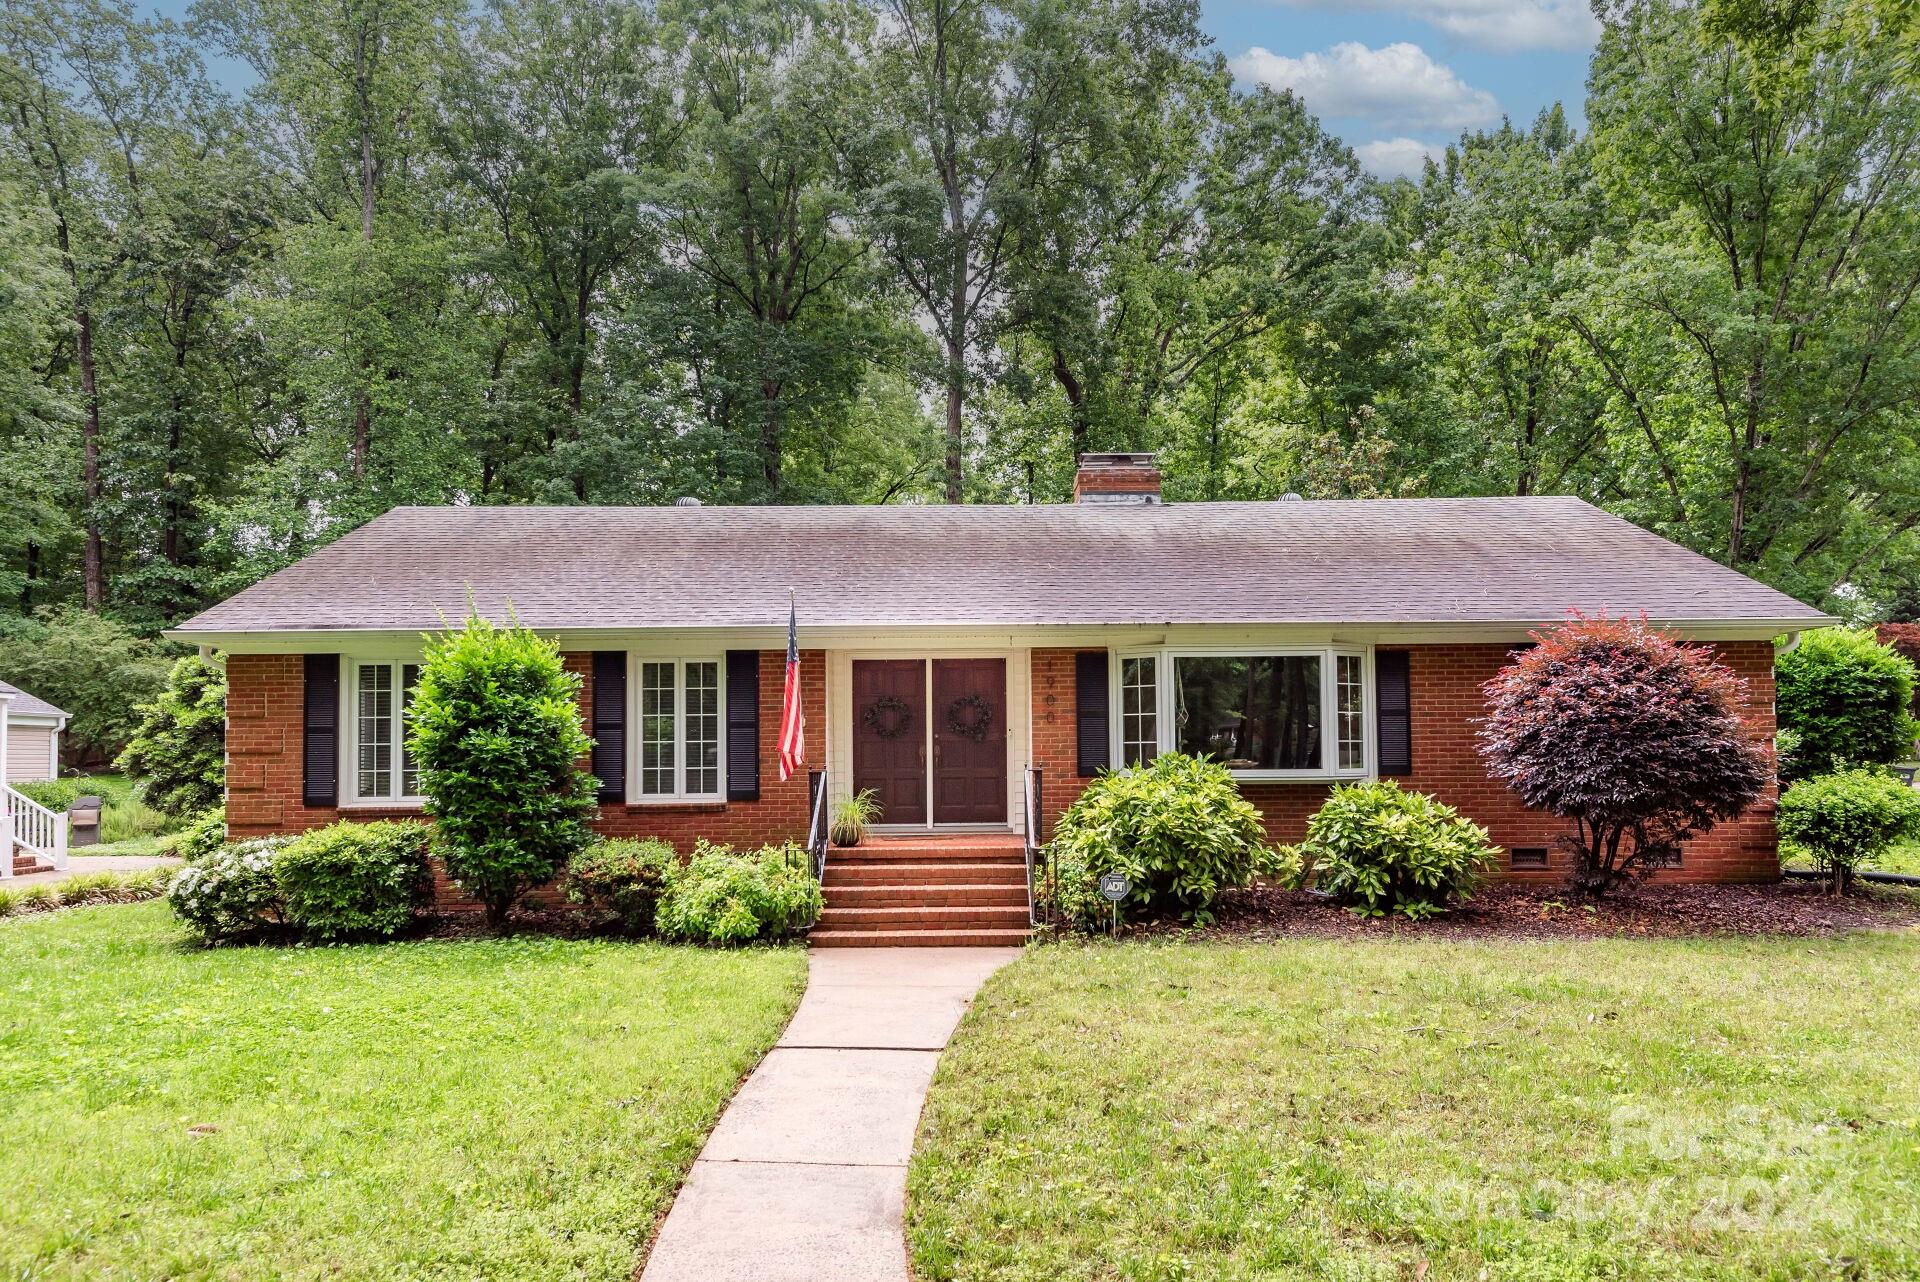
(1505, 25)
(1397, 157)
(1396, 87)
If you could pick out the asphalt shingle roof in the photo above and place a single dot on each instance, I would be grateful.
(28, 705)
(1386, 561)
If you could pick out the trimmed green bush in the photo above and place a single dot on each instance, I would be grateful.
(723, 896)
(354, 880)
(621, 881)
(204, 834)
(1845, 697)
(495, 729)
(179, 752)
(54, 794)
(1848, 820)
(232, 894)
(1178, 829)
(1379, 848)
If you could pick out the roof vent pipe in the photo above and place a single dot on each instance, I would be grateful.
(1291, 497)
(687, 500)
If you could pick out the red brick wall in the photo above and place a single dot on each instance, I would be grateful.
(1446, 683)
(1056, 738)
(265, 697)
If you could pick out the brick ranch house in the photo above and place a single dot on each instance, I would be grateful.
(950, 652)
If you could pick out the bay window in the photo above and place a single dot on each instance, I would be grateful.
(383, 768)
(1289, 713)
(679, 729)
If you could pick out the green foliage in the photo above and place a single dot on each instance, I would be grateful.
(203, 835)
(354, 880)
(231, 895)
(851, 817)
(178, 753)
(1846, 699)
(723, 896)
(1849, 819)
(98, 670)
(1178, 829)
(1379, 848)
(621, 880)
(54, 794)
(86, 888)
(495, 729)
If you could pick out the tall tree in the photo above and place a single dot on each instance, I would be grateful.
(1506, 220)
(557, 120)
(760, 210)
(1757, 326)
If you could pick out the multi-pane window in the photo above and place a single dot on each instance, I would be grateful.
(1350, 710)
(679, 716)
(1304, 713)
(1139, 710)
(383, 768)
(703, 728)
(1249, 712)
(659, 717)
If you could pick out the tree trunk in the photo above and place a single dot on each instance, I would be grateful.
(1076, 400)
(770, 434)
(363, 396)
(95, 571)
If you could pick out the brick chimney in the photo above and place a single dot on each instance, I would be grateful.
(1117, 478)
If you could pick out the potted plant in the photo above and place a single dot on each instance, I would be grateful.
(851, 817)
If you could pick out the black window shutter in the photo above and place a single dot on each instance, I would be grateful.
(1393, 690)
(743, 725)
(320, 732)
(1090, 710)
(610, 723)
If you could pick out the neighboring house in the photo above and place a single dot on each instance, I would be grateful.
(29, 735)
(947, 649)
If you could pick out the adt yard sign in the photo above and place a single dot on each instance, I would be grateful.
(1114, 887)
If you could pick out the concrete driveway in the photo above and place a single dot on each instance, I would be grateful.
(805, 1178)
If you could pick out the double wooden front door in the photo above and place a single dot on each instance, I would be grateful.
(932, 732)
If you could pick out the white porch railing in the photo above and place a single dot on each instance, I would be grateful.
(27, 825)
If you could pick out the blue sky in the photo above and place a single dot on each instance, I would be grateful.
(1395, 78)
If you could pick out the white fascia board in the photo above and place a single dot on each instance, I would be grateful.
(395, 643)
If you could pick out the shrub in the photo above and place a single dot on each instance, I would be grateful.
(495, 729)
(203, 835)
(1380, 849)
(1630, 734)
(232, 893)
(179, 750)
(1848, 819)
(10, 901)
(54, 794)
(354, 880)
(127, 816)
(721, 896)
(1177, 829)
(1846, 698)
(621, 881)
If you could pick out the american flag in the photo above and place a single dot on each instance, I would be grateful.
(793, 722)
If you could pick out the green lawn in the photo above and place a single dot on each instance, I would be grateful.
(1350, 1110)
(517, 1108)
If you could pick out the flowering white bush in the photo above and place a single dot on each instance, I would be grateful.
(231, 893)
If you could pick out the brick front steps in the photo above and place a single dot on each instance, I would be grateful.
(933, 891)
(25, 865)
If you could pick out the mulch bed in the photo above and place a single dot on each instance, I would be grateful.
(1547, 912)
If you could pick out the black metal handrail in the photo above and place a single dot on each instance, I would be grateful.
(1035, 848)
(817, 824)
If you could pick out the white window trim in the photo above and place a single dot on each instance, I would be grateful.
(680, 796)
(1165, 657)
(350, 796)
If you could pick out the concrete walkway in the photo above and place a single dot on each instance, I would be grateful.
(805, 1178)
(78, 864)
